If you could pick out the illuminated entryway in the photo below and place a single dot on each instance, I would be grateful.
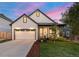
(45, 32)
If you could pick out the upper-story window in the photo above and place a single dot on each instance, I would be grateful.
(37, 14)
(24, 19)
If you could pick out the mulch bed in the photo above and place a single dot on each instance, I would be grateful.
(35, 50)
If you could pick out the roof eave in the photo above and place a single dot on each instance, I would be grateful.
(20, 17)
(44, 15)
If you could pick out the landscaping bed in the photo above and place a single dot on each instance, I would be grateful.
(35, 50)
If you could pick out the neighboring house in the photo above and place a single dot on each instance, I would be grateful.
(65, 30)
(33, 27)
(5, 28)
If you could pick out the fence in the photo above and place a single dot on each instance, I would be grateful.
(5, 35)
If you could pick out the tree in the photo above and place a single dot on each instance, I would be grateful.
(71, 18)
(54, 29)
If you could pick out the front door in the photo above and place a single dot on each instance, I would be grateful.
(44, 32)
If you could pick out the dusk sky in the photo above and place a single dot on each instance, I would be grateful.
(52, 9)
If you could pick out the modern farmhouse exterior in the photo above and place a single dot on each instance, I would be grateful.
(22, 28)
(5, 28)
(44, 24)
(33, 27)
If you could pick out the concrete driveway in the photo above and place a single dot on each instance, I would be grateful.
(15, 48)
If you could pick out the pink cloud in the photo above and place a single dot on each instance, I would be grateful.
(28, 8)
(56, 13)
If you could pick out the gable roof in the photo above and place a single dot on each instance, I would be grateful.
(6, 18)
(44, 15)
(22, 16)
(34, 20)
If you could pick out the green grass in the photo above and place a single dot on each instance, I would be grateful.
(59, 49)
(2, 41)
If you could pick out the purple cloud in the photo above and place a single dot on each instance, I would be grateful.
(28, 9)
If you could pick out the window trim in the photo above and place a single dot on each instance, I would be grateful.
(37, 14)
(24, 20)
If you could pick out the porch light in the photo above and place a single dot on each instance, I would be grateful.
(31, 28)
(17, 28)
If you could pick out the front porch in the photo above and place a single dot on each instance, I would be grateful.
(47, 32)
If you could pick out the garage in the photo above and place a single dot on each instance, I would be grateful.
(28, 34)
(24, 28)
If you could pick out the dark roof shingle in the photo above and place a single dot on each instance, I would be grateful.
(6, 18)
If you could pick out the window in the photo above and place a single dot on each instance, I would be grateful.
(24, 19)
(41, 32)
(50, 31)
(37, 14)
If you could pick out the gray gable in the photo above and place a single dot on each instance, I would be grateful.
(6, 18)
(42, 19)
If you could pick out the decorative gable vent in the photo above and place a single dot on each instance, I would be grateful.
(24, 19)
(37, 14)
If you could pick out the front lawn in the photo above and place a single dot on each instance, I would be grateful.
(59, 49)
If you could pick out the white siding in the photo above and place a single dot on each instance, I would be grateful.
(4, 25)
(41, 19)
(20, 25)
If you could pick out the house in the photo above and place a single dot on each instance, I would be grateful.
(65, 30)
(5, 28)
(33, 27)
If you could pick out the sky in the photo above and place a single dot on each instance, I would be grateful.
(52, 9)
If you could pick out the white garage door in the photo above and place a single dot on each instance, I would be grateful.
(28, 35)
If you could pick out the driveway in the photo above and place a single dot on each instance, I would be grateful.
(15, 48)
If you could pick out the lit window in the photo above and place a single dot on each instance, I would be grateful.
(24, 19)
(37, 14)
(50, 31)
